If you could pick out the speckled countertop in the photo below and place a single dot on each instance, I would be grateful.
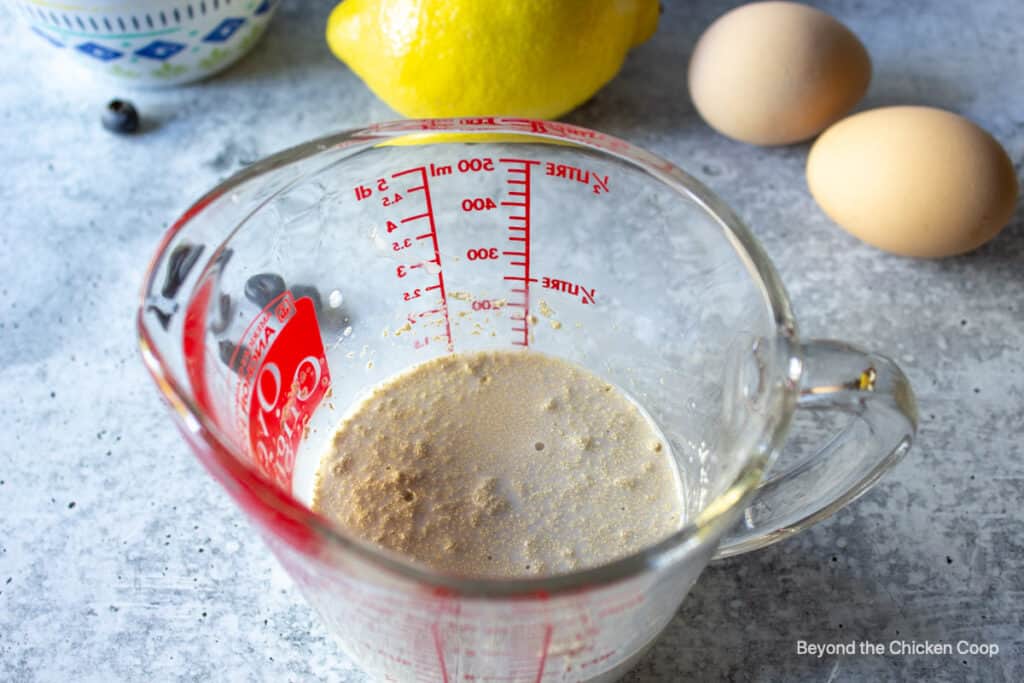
(120, 559)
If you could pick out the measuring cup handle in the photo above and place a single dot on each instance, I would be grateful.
(878, 397)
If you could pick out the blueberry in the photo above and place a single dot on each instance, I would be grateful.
(263, 288)
(181, 261)
(299, 291)
(223, 320)
(120, 116)
(162, 316)
(226, 350)
(223, 256)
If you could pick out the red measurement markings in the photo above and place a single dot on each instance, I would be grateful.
(518, 205)
(435, 632)
(428, 214)
(598, 183)
(587, 295)
(544, 652)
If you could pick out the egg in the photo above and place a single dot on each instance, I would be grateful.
(775, 73)
(914, 181)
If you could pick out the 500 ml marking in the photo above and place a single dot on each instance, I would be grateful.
(432, 170)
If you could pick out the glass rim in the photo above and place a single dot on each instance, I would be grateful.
(224, 462)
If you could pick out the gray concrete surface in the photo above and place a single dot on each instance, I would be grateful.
(120, 559)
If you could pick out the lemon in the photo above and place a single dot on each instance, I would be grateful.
(534, 58)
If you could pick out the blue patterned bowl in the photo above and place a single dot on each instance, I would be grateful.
(150, 42)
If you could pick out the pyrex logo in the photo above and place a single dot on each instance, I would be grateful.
(290, 379)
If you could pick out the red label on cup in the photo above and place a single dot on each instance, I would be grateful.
(283, 376)
(194, 345)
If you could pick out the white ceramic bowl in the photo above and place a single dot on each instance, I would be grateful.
(149, 42)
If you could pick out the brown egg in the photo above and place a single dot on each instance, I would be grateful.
(774, 73)
(913, 181)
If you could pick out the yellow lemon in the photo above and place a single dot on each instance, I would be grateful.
(535, 58)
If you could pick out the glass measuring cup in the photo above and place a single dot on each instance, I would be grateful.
(288, 291)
